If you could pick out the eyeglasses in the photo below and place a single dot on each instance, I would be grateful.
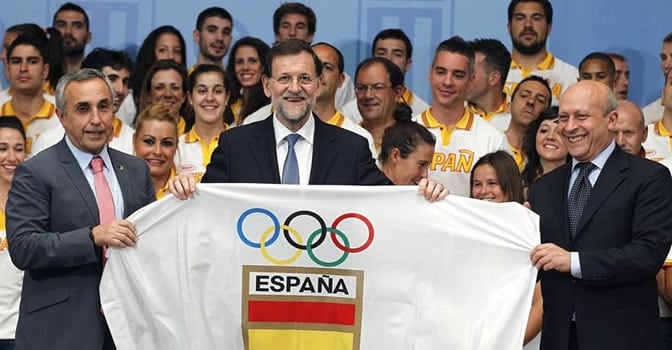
(303, 80)
(376, 88)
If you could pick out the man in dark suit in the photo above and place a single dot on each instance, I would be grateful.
(605, 231)
(318, 153)
(56, 231)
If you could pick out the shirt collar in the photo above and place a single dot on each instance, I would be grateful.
(84, 158)
(600, 159)
(307, 131)
(547, 63)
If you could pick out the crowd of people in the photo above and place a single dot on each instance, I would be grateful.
(103, 135)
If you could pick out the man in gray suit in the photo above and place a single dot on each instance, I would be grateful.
(57, 233)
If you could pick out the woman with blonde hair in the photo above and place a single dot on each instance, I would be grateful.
(155, 141)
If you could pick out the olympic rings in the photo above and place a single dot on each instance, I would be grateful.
(276, 226)
(324, 263)
(323, 228)
(348, 249)
(294, 238)
(271, 259)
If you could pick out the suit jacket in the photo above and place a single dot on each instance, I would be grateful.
(248, 154)
(622, 238)
(50, 212)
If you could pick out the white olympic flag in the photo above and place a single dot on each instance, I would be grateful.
(253, 267)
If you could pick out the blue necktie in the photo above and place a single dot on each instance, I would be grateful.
(290, 171)
(578, 196)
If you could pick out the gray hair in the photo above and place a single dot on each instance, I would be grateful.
(79, 75)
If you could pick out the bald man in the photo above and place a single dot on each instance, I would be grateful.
(604, 221)
(630, 131)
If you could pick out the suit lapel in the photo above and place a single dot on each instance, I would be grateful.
(610, 177)
(325, 150)
(559, 195)
(123, 174)
(78, 179)
(262, 146)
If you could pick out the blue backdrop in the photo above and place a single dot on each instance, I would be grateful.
(634, 30)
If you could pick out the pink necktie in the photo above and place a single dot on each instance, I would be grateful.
(103, 194)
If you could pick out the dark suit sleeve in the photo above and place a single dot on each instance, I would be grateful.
(368, 172)
(643, 256)
(216, 170)
(31, 244)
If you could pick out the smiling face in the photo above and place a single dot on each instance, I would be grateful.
(409, 170)
(584, 123)
(293, 88)
(12, 153)
(209, 98)
(485, 185)
(156, 142)
(450, 78)
(548, 143)
(247, 66)
(378, 98)
(166, 89)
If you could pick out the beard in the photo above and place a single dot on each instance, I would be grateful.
(74, 50)
(529, 50)
(295, 114)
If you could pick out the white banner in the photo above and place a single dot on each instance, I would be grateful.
(322, 267)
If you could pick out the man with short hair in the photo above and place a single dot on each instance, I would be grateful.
(117, 67)
(462, 137)
(485, 95)
(604, 220)
(73, 23)
(629, 132)
(27, 69)
(294, 20)
(622, 78)
(654, 111)
(213, 35)
(657, 145)
(529, 24)
(599, 67)
(531, 97)
(325, 103)
(292, 146)
(394, 45)
(65, 207)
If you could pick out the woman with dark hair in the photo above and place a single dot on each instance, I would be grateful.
(166, 84)
(208, 95)
(495, 177)
(162, 43)
(406, 151)
(12, 153)
(542, 146)
(246, 63)
(379, 84)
